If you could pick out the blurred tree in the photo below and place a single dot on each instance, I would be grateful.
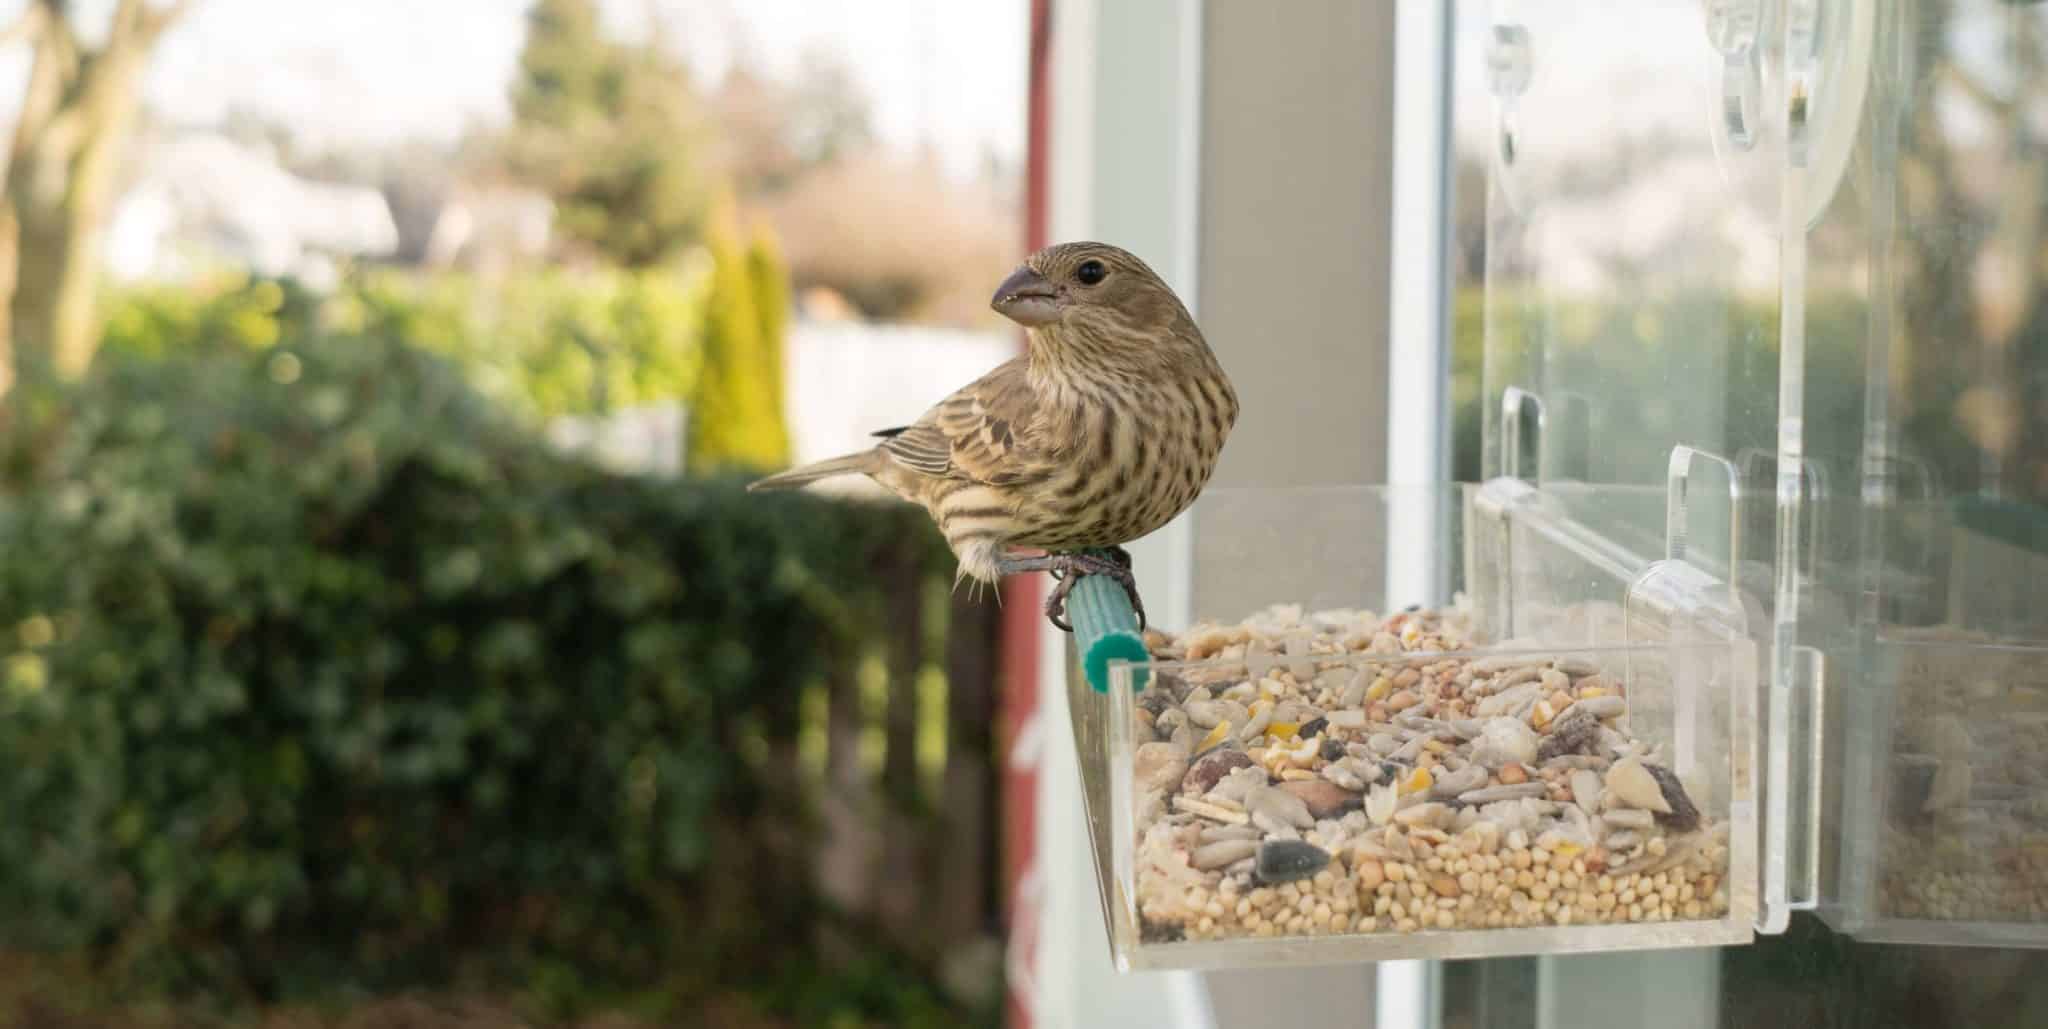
(768, 275)
(829, 116)
(76, 111)
(417, 179)
(774, 132)
(753, 116)
(610, 131)
(736, 418)
(900, 239)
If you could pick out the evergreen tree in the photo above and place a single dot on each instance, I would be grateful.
(736, 419)
(770, 277)
(611, 132)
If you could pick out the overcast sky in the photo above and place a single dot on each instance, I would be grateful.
(370, 71)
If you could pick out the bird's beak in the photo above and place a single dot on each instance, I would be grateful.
(1027, 299)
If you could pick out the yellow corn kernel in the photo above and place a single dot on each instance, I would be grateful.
(1379, 689)
(1283, 730)
(1591, 692)
(1216, 736)
(1418, 782)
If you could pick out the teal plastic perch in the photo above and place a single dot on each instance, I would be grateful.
(1105, 630)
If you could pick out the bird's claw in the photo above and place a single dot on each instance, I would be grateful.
(1074, 567)
(1056, 610)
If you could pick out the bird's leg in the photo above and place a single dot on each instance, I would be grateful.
(1068, 569)
(1056, 602)
(1062, 568)
(1124, 578)
(1055, 563)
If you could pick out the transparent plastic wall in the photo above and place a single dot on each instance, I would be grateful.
(1920, 379)
(1765, 456)
(1330, 780)
(1324, 772)
(1636, 294)
(1800, 244)
(1632, 260)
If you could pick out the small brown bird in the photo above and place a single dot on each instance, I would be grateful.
(1103, 431)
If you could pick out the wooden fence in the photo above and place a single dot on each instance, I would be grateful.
(900, 755)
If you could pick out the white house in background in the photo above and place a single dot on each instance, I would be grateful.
(483, 227)
(203, 200)
(845, 379)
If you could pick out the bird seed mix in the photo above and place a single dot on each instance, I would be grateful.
(1281, 791)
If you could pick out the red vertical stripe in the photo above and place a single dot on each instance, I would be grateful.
(1021, 598)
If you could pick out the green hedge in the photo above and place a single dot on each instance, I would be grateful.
(709, 331)
(542, 343)
(319, 673)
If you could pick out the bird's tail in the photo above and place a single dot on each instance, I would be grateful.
(851, 464)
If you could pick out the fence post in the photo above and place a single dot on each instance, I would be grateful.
(966, 894)
(902, 814)
(846, 866)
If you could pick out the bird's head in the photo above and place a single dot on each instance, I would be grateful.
(1091, 290)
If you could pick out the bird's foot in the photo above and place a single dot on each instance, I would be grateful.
(1119, 555)
(1130, 584)
(1071, 568)
(1068, 569)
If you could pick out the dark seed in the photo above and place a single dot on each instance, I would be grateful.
(1333, 750)
(1211, 769)
(1282, 861)
(1684, 817)
(1312, 728)
(1571, 734)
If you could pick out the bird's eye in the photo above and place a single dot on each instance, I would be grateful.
(1091, 272)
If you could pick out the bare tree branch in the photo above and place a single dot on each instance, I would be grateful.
(58, 40)
(103, 75)
(64, 131)
(30, 22)
(138, 23)
(57, 23)
(60, 175)
(154, 20)
(127, 18)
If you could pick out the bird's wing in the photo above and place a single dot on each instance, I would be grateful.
(973, 434)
